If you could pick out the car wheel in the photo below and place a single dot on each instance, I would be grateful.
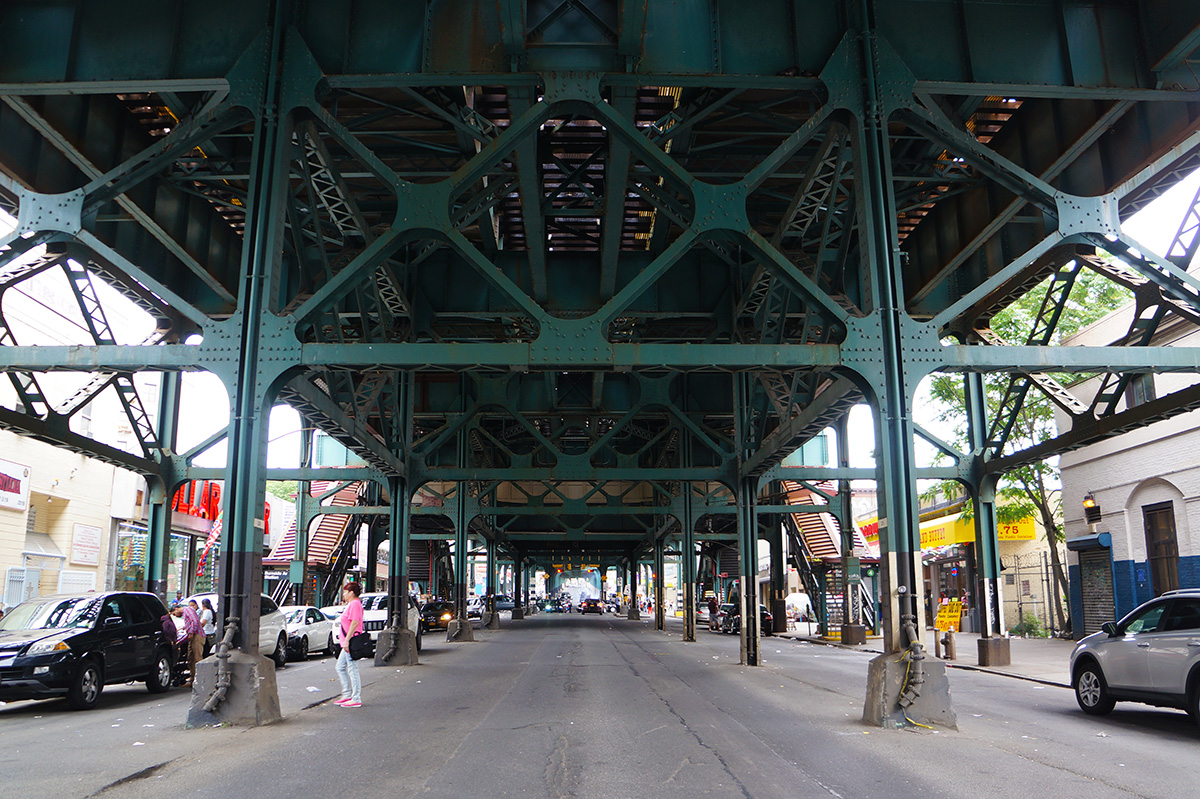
(1091, 691)
(159, 678)
(280, 656)
(303, 648)
(86, 687)
(329, 646)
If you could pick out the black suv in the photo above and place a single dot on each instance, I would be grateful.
(73, 645)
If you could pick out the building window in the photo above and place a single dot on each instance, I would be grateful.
(1162, 546)
(1139, 391)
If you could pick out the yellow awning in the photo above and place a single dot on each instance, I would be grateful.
(954, 529)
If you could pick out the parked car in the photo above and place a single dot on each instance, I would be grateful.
(730, 619)
(436, 615)
(73, 645)
(309, 630)
(591, 606)
(376, 616)
(272, 626)
(724, 620)
(1150, 656)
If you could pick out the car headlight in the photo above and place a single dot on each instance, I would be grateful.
(43, 647)
(447, 616)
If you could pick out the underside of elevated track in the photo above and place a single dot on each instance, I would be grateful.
(573, 278)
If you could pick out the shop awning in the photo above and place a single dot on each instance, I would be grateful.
(946, 531)
(1097, 541)
(42, 546)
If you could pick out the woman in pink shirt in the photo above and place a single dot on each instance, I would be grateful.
(347, 667)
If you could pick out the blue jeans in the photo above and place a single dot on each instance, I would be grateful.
(347, 672)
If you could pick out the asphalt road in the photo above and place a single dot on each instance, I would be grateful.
(598, 706)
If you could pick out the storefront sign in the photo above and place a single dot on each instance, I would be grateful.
(85, 545)
(14, 485)
(954, 529)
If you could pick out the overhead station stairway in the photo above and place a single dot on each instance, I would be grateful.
(816, 538)
(330, 542)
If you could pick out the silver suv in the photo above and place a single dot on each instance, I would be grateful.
(1150, 656)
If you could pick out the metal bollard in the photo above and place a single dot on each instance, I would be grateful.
(948, 643)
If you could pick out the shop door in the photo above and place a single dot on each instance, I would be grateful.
(1162, 547)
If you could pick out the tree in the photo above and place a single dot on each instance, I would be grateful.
(284, 489)
(1031, 490)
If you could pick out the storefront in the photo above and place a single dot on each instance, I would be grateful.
(184, 550)
(948, 558)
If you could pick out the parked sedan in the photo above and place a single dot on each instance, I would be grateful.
(73, 645)
(1150, 656)
(309, 630)
(272, 627)
(730, 619)
(436, 615)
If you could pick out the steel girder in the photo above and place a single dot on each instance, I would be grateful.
(573, 232)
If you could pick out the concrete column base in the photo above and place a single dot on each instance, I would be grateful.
(459, 630)
(995, 651)
(854, 634)
(518, 613)
(493, 621)
(406, 648)
(634, 613)
(251, 700)
(885, 681)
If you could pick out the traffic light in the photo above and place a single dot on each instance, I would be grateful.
(1091, 511)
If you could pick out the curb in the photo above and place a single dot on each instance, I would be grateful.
(949, 663)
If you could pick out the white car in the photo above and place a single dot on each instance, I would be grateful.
(272, 627)
(309, 630)
(376, 615)
(1151, 656)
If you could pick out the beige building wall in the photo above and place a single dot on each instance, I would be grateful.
(70, 499)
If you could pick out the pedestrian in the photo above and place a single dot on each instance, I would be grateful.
(191, 637)
(208, 623)
(713, 607)
(347, 667)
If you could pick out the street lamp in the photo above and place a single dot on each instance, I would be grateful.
(1091, 511)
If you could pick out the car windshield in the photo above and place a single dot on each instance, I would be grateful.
(296, 616)
(73, 612)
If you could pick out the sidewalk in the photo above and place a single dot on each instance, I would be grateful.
(1042, 659)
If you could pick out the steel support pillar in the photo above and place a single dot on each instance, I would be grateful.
(162, 490)
(687, 561)
(298, 569)
(634, 613)
(253, 698)
(853, 630)
(660, 615)
(747, 501)
(397, 645)
(519, 593)
(778, 604)
(459, 628)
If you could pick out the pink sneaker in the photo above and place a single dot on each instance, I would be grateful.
(351, 703)
(340, 701)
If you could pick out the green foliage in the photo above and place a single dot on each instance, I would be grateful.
(284, 489)
(1030, 626)
(1031, 490)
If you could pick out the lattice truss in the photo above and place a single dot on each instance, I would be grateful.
(545, 257)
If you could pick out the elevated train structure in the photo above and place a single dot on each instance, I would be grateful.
(584, 272)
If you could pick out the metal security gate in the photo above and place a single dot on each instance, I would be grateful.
(1095, 571)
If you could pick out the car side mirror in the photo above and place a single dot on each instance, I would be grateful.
(1111, 628)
